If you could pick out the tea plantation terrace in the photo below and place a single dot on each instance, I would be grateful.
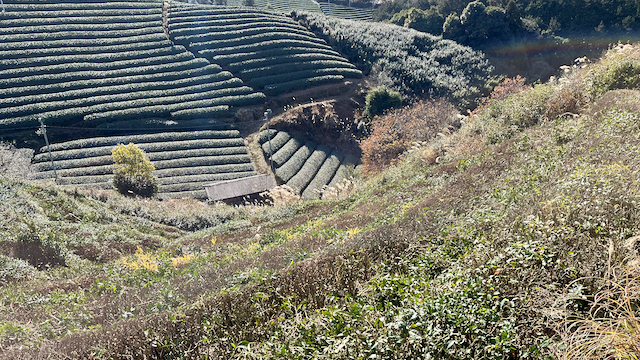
(184, 161)
(303, 165)
(345, 12)
(75, 62)
(270, 52)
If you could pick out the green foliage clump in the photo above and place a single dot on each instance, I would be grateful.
(406, 60)
(381, 99)
(618, 69)
(429, 21)
(132, 174)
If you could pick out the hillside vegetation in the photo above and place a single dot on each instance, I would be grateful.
(520, 241)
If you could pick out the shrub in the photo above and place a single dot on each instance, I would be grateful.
(309, 170)
(393, 133)
(276, 142)
(132, 174)
(381, 99)
(283, 87)
(295, 163)
(323, 176)
(618, 69)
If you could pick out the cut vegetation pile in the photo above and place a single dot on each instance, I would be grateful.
(304, 166)
(268, 51)
(184, 161)
(72, 62)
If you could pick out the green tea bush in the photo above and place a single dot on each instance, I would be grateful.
(24, 45)
(218, 135)
(206, 169)
(199, 183)
(69, 50)
(260, 38)
(232, 173)
(280, 88)
(133, 171)
(295, 163)
(223, 36)
(239, 59)
(200, 112)
(266, 61)
(381, 99)
(276, 142)
(15, 270)
(261, 46)
(324, 175)
(265, 135)
(82, 34)
(305, 74)
(309, 170)
(283, 154)
(345, 170)
(293, 67)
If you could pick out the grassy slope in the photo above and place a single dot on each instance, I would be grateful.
(471, 258)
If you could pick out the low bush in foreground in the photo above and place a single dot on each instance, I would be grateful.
(133, 171)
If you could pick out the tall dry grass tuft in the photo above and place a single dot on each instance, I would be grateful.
(609, 325)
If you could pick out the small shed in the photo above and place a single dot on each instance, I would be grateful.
(229, 189)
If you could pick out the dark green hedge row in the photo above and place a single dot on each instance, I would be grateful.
(238, 170)
(140, 139)
(305, 74)
(118, 101)
(345, 170)
(125, 100)
(192, 186)
(85, 75)
(136, 108)
(303, 48)
(198, 170)
(71, 27)
(16, 73)
(228, 35)
(253, 39)
(94, 58)
(266, 45)
(259, 62)
(265, 135)
(160, 165)
(101, 13)
(189, 23)
(276, 143)
(295, 163)
(177, 12)
(324, 175)
(154, 156)
(309, 170)
(80, 34)
(31, 6)
(283, 154)
(151, 147)
(293, 67)
(221, 27)
(207, 82)
(344, 12)
(71, 50)
(105, 86)
(284, 87)
(195, 113)
(34, 21)
(7, 46)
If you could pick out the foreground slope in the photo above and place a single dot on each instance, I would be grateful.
(492, 252)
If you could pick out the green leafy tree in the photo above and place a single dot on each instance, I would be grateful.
(514, 18)
(380, 99)
(133, 171)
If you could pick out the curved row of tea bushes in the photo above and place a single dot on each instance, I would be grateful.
(266, 50)
(92, 63)
(345, 12)
(283, 6)
(184, 161)
(305, 166)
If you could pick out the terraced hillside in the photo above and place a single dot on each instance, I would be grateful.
(184, 161)
(270, 52)
(303, 165)
(345, 12)
(283, 6)
(91, 63)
